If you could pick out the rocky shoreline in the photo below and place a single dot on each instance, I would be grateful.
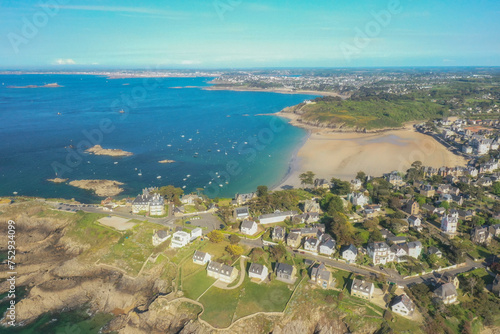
(102, 188)
(57, 180)
(98, 150)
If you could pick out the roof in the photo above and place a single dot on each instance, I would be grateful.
(278, 214)
(320, 271)
(199, 255)
(361, 285)
(220, 268)
(283, 268)
(278, 231)
(405, 300)
(414, 244)
(433, 250)
(248, 224)
(162, 234)
(446, 290)
(351, 248)
(243, 209)
(329, 244)
(293, 236)
(256, 268)
(379, 245)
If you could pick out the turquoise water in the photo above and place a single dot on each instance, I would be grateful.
(217, 138)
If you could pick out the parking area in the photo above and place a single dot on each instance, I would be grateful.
(206, 221)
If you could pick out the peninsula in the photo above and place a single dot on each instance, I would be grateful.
(98, 150)
(102, 188)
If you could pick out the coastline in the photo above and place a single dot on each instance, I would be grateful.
(273, 90)
(329, 153)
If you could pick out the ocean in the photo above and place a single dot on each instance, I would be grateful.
(219, 140)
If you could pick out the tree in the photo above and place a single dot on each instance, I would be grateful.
(171, 193)
(332, 204)
(234, 239)
(361, 176)
(496, 188)
(307, 178)
(340, 187)
(215, 236)
(225, 213)
(262, 191)
(277, 252)
(235, 250)
(256, 254)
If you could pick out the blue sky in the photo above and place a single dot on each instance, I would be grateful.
(71, 34)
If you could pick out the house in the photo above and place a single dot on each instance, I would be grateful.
(403, 305)
(350, 253)
(285, 273)
(159, 237)
(180, 239)
(396, 240)
(386, 233)
(495, 230)
(321, 276)
(465, 214)
(447, 293)
(311, 244)
(294, 239)
(427, 190)
(327, 247)
(380, 253)
(400, 253)
(415, 222)
(196, 233)
(414, 249)
(258, 272)
(428, 208)
(495, 286)
(358, 199)
(394, 178)
(278, 234)
(202, 258)
(434, 250)
(244, 198)
(362, 289)
(149, 202)
(190, 199)
(249, 227)
(241, 212)
(356, 184)
(276, 217)
(480, 235)
(449, 223)
(412, 207)
(222, 272)
(311, 206)
(446, 277)
(321, 183)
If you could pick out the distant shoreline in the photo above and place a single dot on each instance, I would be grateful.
(273, 90)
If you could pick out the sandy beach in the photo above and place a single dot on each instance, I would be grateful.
(333, 154)
(272, 90)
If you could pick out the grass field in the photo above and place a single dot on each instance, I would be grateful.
(255, 298)
(194, 285)
(219, 306)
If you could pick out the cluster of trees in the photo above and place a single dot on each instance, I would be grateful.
(282, 200)
(171, 193)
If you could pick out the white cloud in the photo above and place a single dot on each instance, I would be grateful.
(67, 61)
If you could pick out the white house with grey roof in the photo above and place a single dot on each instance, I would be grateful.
(148, 201)
(201, 258)
(222, 272)
(258, 272)
(311, 244)
(321, 276)
(276, 217)
(403, 305)
(278, 233)
(350, 253)
(362, 289)
(159, 237)
(327, 247)
(249, 227)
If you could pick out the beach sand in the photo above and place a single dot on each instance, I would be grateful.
(333, 154)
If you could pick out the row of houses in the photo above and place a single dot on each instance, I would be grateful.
(381, 253)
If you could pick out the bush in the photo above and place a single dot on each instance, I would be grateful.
(215, 236)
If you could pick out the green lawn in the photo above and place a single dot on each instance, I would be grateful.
(194, 285)
(271, 297)
(341, 277)
(219, 306)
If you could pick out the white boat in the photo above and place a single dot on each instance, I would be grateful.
(116, 162)
(158, 177)
(140, 173)
(169, 145)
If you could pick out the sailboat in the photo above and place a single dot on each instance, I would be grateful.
(140, 172)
